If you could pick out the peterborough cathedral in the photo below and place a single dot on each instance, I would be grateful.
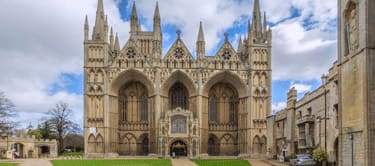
(139, 101)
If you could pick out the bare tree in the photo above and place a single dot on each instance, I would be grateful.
(60, 121)
(6, 113)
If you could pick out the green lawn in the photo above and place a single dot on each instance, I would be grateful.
(222, 162)
(8, 164)
(132, 162)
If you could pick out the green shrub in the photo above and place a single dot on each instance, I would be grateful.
(319, 155)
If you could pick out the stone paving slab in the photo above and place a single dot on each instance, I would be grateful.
(34, 162)
(260, 162)
(183, 162)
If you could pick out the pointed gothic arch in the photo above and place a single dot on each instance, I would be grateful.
(99, 144)
(183, 78)
(256, 145)
(131, 75)
(128, 145)
(226, 77)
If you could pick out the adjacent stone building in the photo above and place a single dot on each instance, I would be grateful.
(139, 101)
(308, 123)
(27, 146)
(356, 56)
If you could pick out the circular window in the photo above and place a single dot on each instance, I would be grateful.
(131, 53)
(226, 55)
(179, 53)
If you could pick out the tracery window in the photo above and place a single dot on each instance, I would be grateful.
(226, 55)
(179, 53)
(144, 109)
(133, 103)
(178, 124)
(131, 53)
(179, 96)
(213, 109)
(223, 104)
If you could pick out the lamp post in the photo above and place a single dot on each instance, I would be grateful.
(351, 137)
(325, 118)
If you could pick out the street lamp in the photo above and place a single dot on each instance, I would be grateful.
(351, 137)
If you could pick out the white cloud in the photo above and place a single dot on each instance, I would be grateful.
(40, 40)
(278, 106)
(301, 88)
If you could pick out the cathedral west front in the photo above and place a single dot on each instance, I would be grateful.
(141, 101)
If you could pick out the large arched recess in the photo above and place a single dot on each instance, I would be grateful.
(123, 79)
(226, 77)
(131, 75)
(183, 78)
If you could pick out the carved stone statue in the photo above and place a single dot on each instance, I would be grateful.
(352, 30)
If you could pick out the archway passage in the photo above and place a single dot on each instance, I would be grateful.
(44, 151)
(18, 150)
(179, 148)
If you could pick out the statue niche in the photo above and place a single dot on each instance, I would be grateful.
(351, 17)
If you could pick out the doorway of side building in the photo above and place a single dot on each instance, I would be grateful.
(18, 150)
(336, 149)
(44, 151)
(179, 148)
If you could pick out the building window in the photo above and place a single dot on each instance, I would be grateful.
(179, 96)
(232, 110)
(226, 55)
(309, 110)
(144, 109)
(178, 124)
(133, 103)
(213, 109)
(179, 53)
(131, 53)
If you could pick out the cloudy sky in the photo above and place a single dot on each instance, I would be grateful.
(41, 43)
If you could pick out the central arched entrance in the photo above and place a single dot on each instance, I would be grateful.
(179, 148)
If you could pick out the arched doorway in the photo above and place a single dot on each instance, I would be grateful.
(44, 151)
(179, 148)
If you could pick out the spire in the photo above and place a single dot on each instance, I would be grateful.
(226, 34)
(111, 44)
(157, 25)
(201, 44)
(240, 45)
(98, 33)
(86, 29)
(117, 44)
(200, 33)
(265, 22)
(134, 21)
(257, 25)
(157, 13)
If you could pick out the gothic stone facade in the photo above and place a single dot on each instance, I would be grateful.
(139, 102)
(309, 123)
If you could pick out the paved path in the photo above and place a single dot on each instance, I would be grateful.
(259, 162)
(34, 162)
(183, 162)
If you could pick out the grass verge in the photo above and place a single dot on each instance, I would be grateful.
(132, 162)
